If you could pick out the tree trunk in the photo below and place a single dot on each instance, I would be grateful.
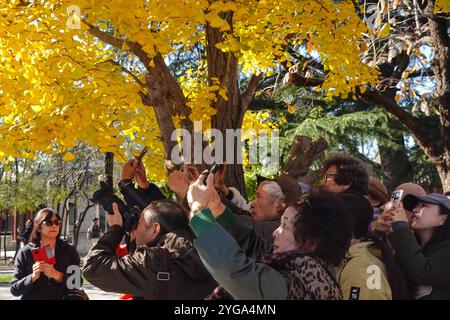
(65, 214)
(395, 164)
(109, 169)
(445, 179)
(230, 112)
(5, 233)
(441, 68)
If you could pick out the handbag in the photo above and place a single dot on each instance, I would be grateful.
(76, 294)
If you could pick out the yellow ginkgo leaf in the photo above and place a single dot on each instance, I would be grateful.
(309, 46)
(125, 46)
(36, 108)
(385, 30)
(69, 156)
(291, 108)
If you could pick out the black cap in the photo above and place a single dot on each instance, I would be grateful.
(410, 201)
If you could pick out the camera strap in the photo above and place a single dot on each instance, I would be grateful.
(163, 275)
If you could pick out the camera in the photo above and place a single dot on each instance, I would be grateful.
(106, 197)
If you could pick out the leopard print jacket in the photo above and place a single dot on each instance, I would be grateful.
(308, 277)
(310, 280)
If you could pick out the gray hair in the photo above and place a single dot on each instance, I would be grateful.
(273, 189)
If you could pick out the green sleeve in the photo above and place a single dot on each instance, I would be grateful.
(241, 276)
(253, 244)
(429, 270)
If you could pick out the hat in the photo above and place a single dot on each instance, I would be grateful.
(95, 219)
(410, 201)
(289, 186)
(378, 191)
(409, 188)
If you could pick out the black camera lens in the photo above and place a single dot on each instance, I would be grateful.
(105, 197)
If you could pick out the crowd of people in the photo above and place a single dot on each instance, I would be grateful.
(345, 239)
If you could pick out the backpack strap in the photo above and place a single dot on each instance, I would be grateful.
(163, 275)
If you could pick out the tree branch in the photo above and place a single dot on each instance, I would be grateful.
(306, 82)
(250, 91)
(128, 72)
(428, 72)
(118, 43)
(405, 118)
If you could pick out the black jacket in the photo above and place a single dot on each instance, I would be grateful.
(137, 273)
(44, 288)
(141, 197)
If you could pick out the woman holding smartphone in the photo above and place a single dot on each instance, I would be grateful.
(40, 280)
(422, 243)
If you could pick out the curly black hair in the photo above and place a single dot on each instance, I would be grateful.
(323, 219)
(349, 171)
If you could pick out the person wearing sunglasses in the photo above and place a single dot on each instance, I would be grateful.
(40, 280)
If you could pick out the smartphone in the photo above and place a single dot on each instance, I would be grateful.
(214, 169)
(170, 166)
(396, 197)
(44, 254)
(143, 152)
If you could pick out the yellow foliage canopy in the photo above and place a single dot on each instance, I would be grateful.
(59, 84)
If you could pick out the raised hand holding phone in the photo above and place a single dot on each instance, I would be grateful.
(141, 176)
(214, 169)
(199, 194)
(142, 154)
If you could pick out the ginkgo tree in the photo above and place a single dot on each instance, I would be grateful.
(409, 43)
(97, 71)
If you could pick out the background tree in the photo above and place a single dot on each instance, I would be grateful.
(409, 43)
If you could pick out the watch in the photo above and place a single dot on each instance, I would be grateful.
(198, 209)
(125, 183)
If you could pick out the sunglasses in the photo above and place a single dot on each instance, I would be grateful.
(50, 223)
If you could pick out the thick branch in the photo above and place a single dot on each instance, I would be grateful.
(164, 93)
(118, 43)
(428, 72)
(303, 153)
(405, 118)
(250, 91)
(306, 82)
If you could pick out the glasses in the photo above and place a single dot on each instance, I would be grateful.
(50, 223)
(329, 175)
